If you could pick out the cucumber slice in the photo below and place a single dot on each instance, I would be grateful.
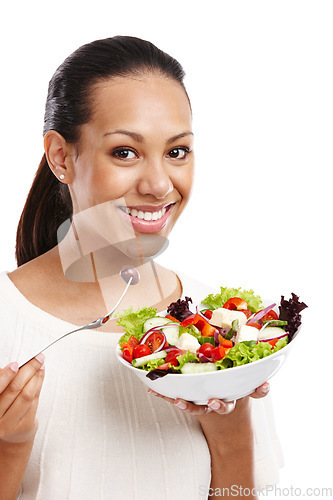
(144, 359)
(271, 332)
(155, 322)
(171, 333)
(198, 368)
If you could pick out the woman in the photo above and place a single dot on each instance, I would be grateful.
(118, 165)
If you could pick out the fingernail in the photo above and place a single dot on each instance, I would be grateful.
(14, 367)
(214, 405)
(265, 388)
(40, 358)
(180, 405)
(42, 367)
(153, 393)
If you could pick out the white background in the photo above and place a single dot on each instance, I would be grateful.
(259, 74)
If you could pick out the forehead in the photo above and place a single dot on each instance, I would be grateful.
(145, 102)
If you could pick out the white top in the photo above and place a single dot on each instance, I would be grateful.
(101, 435)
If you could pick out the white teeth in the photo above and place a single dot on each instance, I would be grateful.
(145, 215)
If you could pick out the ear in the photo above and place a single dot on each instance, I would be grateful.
(57, 154)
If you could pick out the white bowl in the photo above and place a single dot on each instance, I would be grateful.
(228, 384)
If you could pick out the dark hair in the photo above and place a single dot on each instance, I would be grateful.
(68, 106)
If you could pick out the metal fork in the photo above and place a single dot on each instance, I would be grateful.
(131, 276)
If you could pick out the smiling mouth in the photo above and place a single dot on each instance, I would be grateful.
(147, 219)
(146, 215)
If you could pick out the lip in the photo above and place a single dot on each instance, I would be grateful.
(148, 226)
(149, 208)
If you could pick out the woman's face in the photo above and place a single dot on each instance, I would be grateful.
(136, 152)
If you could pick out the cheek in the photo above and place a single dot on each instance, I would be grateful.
(183, 181)
(104, 185)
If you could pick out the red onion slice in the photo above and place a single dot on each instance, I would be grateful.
(203, 358)
(145, 337)
(171, 348)
(261, 314)
(273, 338)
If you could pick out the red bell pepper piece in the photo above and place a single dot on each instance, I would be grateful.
(227, 343)
(206, 329)
(190, 320)
(273, 342)
(172, 318)
(128, 354)
(165, 366)
(208, 313)
(132, 342)
(218, 353)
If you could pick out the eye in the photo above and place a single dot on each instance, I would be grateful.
(124, 154)
(178, 153)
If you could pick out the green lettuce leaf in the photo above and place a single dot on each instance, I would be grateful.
(133, 321)
(152, 364)
(280, 343)
(247, 352)
(218, 300)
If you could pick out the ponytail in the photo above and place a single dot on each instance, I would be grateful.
(47, 206)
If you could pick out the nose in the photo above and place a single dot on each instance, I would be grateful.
(155, 180)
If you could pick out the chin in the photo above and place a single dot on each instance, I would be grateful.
(144, 245)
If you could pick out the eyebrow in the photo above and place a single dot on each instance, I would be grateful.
(139, 138)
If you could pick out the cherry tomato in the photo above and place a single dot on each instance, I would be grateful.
(218, 353)
(247, 312)
(254, 324)
(270, 315)
(235, 303)
(141, 350)
(206, 349)
(154, 341)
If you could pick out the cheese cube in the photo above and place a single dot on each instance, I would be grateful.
(246, 333)
(224, 317)
(187, 342)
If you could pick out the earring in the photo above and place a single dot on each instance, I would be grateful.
(61, 176)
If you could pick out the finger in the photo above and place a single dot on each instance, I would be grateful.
(190, 408)
(221, 407)
(153, 393)
(24, 375)
(183, 405)
(33, 407)
(7, 374)
(22, 402)
(261, 391)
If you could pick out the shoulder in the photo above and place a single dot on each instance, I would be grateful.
(29, 276)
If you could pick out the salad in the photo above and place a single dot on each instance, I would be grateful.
(232, 329)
